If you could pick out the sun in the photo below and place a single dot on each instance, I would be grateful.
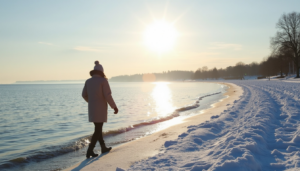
(160, 36)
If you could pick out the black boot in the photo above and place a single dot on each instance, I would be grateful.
(104, 149)
(90, 152)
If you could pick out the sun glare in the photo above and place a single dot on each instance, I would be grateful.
(162, 96)
(160, 36)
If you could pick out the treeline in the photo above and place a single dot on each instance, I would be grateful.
(279, 63)
(150, 77)
(232, 72)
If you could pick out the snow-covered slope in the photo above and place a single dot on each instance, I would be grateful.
(261, 131)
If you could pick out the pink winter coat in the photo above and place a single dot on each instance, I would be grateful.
(97, 93)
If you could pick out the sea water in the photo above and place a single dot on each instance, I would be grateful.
(45, 126)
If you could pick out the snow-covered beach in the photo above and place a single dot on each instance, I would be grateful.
(258, 131)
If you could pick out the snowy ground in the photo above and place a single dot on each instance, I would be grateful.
(261, 131)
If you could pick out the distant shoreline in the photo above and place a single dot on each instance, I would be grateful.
(49, 81)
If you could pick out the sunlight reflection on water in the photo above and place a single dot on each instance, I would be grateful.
(162, 96)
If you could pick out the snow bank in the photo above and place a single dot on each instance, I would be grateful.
(261, 131)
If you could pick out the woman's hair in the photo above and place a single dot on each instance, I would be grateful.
(96, 72)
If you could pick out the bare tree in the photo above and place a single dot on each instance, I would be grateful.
(288, 36)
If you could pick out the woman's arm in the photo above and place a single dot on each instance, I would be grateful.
(107, 94)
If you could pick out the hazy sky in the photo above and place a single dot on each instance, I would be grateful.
(60, 40)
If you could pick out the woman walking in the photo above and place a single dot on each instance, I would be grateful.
(97, 93)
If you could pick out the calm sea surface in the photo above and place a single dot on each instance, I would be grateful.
(45, 126)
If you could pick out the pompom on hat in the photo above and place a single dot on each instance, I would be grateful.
(98, 66)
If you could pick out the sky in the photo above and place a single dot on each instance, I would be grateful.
(61, 39)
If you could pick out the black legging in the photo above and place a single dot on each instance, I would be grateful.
(97, 134)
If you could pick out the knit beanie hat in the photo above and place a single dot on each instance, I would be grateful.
(98, 66)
